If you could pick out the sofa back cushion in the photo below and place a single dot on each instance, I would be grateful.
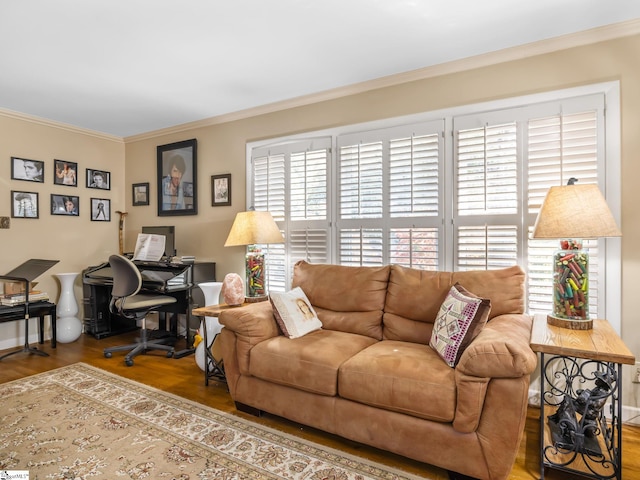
(346, 299)
(414, 297)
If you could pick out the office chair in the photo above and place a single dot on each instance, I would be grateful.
(127, 302)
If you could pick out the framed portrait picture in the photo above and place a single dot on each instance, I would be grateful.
(28, 170)
(24, 204)
(177, 175)
(65, 205)
(221, 190)
(100, 210)
(98, 179)
(140, 194)
(65, 173)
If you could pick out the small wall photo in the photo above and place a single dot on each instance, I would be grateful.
(98, 179)
(28, 170)
(100, 210)
(24, 204)
(65, 173)
(65, 205)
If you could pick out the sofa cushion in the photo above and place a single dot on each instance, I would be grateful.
(461, 317)
(415, 296)
(345, 290)
(403, 377)
(294, 314)
(308, 363)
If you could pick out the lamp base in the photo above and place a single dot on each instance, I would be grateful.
(256, 299)
(576, 324)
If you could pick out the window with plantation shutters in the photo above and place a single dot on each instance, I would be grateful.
(290, 180)
(389, 196)
(456, 190)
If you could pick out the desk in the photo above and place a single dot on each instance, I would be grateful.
(581, 384)
(36, 309)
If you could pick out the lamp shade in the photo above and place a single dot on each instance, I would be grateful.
(253, 227)
(575, 211)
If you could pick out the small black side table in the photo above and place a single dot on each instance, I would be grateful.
(21, 312)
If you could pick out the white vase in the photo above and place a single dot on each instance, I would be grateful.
(68, 329)
(67, 304)
(68, 326)
(211, 292)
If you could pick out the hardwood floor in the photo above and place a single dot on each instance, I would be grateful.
(182, 377)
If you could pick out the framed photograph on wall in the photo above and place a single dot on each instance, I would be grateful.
(98, 179)
(100, 210)
(140, 194)
(177, 178)
(28, 170)
(221, 190)
(65, 205)
(65, 173)
(24, 204)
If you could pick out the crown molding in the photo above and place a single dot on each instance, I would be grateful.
(59, 125)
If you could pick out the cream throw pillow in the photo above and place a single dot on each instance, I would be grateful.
(294, 313)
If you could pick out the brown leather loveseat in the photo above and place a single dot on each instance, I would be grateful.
(369, 374)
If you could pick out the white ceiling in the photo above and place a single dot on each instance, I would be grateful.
(126, 67)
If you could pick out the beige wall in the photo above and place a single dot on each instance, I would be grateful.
(76, 241)
(221, 149)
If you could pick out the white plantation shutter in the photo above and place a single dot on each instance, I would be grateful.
(290, 180)
(487, 223)
(413, 176)
(389, 201)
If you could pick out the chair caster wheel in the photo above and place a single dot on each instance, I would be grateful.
(169, 354)
(129, 362)
(108, 354)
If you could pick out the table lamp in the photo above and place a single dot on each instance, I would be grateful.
(253, 228)
(572, 213)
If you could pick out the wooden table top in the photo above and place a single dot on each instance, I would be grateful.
(601, 343)
(214, 310)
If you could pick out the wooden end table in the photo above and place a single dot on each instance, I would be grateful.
(581, 385)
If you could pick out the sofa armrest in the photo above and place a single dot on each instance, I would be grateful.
(501, 350)
(251, 325)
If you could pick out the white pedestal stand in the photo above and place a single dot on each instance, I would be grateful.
(209, 326)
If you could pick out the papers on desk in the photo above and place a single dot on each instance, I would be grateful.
(149, 247)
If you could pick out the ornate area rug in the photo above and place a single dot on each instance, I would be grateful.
(79, 422)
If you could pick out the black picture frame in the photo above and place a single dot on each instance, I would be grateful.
(100, 179)
(27, 170)
(100, 210)
(24, 204)
(60, 205)
(221, 190)
(65, 173)
(140, 194)
(177, 161)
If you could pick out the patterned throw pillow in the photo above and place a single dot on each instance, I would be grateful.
(461, 317)
(294, 313)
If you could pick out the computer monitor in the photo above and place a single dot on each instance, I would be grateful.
(169, 233)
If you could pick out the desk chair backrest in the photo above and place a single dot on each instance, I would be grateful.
(127, 281)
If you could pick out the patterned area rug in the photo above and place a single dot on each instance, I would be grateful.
(79, 422)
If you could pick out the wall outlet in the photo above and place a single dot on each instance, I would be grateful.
(636, 376)
(5, 222)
